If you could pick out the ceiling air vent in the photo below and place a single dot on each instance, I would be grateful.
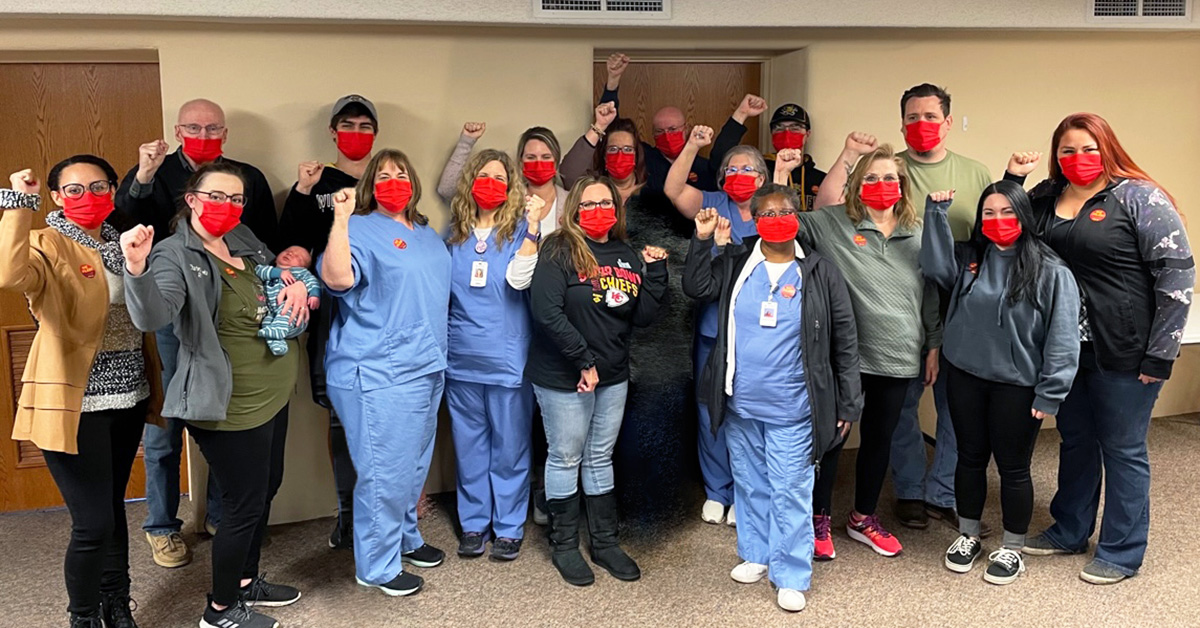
(611, 9)
(1139, 11)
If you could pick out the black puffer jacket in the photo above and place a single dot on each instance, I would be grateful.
(829, 342)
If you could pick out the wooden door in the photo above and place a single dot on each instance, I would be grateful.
(706, 92)
(53, 111)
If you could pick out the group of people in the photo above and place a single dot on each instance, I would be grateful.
(821, 300)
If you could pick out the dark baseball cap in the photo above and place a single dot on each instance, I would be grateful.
(791, 113)
(346, 101)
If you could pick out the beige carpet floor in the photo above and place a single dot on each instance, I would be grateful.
(685, 582)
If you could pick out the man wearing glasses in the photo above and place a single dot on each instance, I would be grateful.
(151, 194)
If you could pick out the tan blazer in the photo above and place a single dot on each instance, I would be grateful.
(68, 294)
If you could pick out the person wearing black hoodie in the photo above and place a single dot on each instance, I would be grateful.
(1012, 346)
(784, 375)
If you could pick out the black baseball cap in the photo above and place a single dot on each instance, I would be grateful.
(352, 99)
(791, 113)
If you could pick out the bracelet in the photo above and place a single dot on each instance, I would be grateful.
(596, 130)
(12, 199)
(533, 237)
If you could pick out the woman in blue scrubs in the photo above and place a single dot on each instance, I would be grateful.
(385, 362)
(742, 172)
(493, 244)
(783, 377)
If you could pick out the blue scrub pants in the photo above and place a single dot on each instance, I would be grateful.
(773, 485)
(491, 429)
(909, 477)
(390, 433)
(714, 452)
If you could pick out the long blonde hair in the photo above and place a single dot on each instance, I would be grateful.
(365, 190)
(463, 206)
(906, 214)
(569, 240)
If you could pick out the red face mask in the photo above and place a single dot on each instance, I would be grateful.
(923, 135)
(1002, 231)
(202, 151)
(489, 193)
(880, 195)
(539, 172)
(89, 210)
(619, 165)
(393, 194)
(355, 145)
(788, 139)
(778, 228)
(220, 218)
(740, 187)
(1081, 168)
(670, 143)
(597, 222)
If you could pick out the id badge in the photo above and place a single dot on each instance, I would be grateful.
(766, 316)
(478, 274)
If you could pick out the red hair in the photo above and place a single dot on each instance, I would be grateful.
(1117, 163)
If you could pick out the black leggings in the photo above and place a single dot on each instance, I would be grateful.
(248, 465)
(344, 476)
(92, 484)
(992, 419)
(883, 398)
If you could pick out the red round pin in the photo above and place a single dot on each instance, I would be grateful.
(860, 239)
(87, 270)
(400, 244)
(788, 291)
(1097, 215)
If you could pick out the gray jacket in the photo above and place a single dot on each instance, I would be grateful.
(181, 287)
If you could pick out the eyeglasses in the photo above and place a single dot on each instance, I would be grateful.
(588, 206)
(793, 127)
(779, 214)
(613, 150)
(670, 129)
(195, 129)
(743, 170)
(887, 178)
(221, 197)
(76, 190)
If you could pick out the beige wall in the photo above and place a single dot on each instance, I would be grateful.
(276, 83)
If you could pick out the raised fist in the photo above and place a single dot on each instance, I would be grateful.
(343, 203)
(943, 196)
(701, 136)
(617, 62)
(606, 112)
(788, 160)
(724, 231)
(653, 254)
(535, 209)
(1023, 163)
(150, 158)
(307, 176)
(752, 105)
(24, 182)
(474, 130)
(706, 222)
(135, 246)
(861, 143)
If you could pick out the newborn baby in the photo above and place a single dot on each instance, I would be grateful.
(291, 265)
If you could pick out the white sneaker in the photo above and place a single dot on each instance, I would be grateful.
(749, 573)
(712, 512)
(730, 519)
(791, 600)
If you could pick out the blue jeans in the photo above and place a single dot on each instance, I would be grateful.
(163, 448)
(1103, 424)
(581, 430)
(773, 485)
(909, 477)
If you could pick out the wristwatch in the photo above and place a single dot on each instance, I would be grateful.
(12, 199)
(533, 237)
(591, 364)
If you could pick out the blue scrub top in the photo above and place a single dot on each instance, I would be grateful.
(740, 229)
(490, 325)
(768, 377)
(390, 326)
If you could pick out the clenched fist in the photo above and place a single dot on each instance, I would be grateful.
(343, 203)
(859, 143)
(724, 233)
(150, 158)
(617, 62)
(135, 246)
(606, 112)
(750, 107)
(535, 210)
(942, 196)
(24, 182)
(654, 254)
(1023, 163)
(706, 222)
(307, 176)
(788, 160)
(474, 130)
(701, 136)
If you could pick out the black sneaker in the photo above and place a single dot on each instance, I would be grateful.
(911, 513)
(1004, 566)
(425, 556)
(471, 544)
(116, 609)
(342, 536)
(236, 616)
(506, 549)
(86, 621)
(960, 558)
(949, 516)
(403, 584)
(262, 593)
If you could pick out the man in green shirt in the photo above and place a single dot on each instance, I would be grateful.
(926, 123)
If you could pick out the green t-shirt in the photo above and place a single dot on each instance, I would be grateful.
(966, 177)
(262, 381)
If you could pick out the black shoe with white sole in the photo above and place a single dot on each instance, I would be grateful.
(342, 536)
(960, 558)
(236, 616)
(262, 593)
(1004, 566)
(472, 544)
(425, 556)
(403, 584)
